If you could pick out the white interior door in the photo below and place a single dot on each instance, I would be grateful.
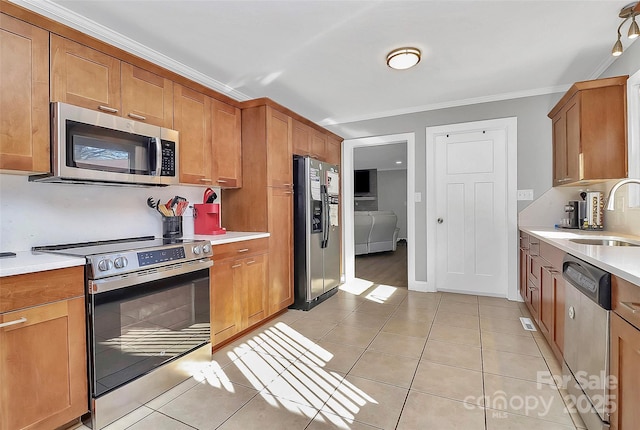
(471, 210)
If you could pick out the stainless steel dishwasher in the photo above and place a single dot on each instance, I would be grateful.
(586, 340)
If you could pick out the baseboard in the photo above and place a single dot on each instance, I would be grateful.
(420, 286)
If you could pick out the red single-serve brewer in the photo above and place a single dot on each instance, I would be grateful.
(206, 216)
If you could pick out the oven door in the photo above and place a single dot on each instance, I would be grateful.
(140, 321)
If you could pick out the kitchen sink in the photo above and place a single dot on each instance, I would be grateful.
(604, 242)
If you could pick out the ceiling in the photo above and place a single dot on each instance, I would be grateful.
(381, 157)
(326, 59)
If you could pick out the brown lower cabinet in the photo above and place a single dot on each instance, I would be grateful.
(625, 354)
(43, 359)
(542, 288)
(239, 281)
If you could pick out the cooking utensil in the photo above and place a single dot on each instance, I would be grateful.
(151, 203)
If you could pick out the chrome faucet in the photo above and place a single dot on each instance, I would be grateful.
(612, 193)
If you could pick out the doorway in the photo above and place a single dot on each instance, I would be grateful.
(348, 168)
(471, 208)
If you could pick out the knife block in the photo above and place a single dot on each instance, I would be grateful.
(206, 219)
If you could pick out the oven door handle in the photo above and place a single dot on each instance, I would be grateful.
(127, 280)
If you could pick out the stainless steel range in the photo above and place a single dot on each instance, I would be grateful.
(148, 318)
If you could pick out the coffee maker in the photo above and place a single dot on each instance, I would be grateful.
(572, 219)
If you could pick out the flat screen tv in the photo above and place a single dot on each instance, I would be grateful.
(361, 183)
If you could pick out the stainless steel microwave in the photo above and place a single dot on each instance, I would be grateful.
(95, 147)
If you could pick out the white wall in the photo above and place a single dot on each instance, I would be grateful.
(392, 196)
(534, 147)
(33, 214)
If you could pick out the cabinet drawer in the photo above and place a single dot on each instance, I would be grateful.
(524, 240)
(625, 300)
(31, 289)
(552, 255)
(240, 249)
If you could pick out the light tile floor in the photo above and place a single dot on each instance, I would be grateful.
(386, 358)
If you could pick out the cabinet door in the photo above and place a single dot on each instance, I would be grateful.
(192, 118)
(547, 295)
(334, 152)
(279, 162)
(24, 96)
(280, 210)
(625, 372)
(84, 77)
(524, 257)
(319, 145)
(227, 145)
(560, 149)
(301, 138)
(558, 311)
(574, 149)
(43, 373)
(224, 301)
(255, 284)
(146, 97)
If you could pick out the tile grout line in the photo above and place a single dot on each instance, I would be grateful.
(419, 360)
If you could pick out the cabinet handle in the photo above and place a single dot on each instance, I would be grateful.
(14, 322)
(243, 250)
(532, 288)
(288, 192)
(108, 109)
(251, 262)
(630, 306)
(235, 266)
(222, 181)
(287, 185)
(205, 180)
(140, 117)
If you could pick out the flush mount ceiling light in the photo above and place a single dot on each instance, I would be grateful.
(629, 11)
(403, 58)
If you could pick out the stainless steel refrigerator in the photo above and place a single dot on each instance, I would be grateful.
(316, 230)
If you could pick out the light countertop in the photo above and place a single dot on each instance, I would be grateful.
(231, 236)
(622, 261)
(29, 262)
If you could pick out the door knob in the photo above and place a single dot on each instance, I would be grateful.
(440, 220)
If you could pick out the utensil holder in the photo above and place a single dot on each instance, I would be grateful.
(172, 227)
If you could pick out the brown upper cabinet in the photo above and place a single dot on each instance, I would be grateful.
(210, 139)
(227, 145)
(85, 77)
(279, 148)
(334, 150)
(301, 138)
(309, 141)
(192, 118)
(589, 132)
(24, 97)
(146, 97)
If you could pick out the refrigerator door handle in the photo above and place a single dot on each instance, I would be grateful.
(324, 196)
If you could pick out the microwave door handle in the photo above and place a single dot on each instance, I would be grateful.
(158, 158)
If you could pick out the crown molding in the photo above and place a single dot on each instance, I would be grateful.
(445, 105)
(78, 22)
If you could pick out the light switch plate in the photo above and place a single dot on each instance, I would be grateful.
(418, 197)
(525, 194)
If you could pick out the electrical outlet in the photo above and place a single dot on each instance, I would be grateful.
(525, 194)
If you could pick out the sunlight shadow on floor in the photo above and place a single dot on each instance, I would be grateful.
(302, 384)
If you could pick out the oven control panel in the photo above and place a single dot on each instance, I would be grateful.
(104, 265)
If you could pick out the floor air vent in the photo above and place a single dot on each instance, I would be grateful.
(527, 324)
